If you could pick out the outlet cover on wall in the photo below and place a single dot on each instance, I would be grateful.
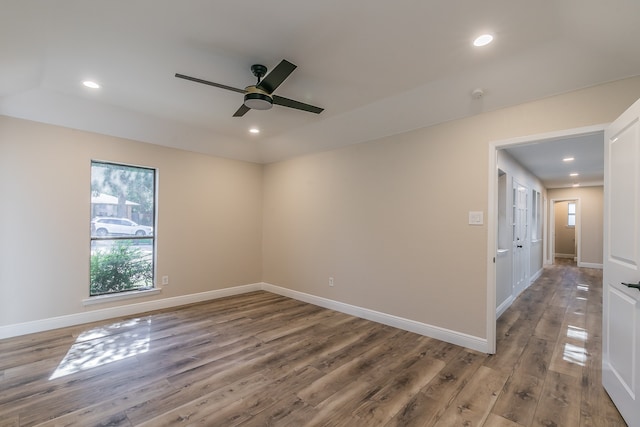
(165, 280)
(476, 218)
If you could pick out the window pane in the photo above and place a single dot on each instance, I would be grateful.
(122, 227)
(121, 265)
(571, 216)
(122, 199)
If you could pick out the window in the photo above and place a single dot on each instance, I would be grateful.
(122, 228)
(571, 214)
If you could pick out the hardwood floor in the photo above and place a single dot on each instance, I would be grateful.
(260, 359)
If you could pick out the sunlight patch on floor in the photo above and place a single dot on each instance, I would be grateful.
(104, 345)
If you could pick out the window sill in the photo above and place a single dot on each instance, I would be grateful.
(102, 299)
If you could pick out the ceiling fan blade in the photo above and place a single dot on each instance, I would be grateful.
(276, 76)
(197, 80)
(286, 102)
(241, 111)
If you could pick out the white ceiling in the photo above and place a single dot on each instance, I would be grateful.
(377, 67)
(545, 159)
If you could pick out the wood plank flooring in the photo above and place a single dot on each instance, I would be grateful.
(260, 359)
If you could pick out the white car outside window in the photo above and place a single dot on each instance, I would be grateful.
(118, 226)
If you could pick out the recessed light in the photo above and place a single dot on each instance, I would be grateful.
(254, 130)
(90, 84)
(574, 174)
(568, 159)
(483, 40)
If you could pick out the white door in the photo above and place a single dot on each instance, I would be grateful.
(621, 304)
(520, 242)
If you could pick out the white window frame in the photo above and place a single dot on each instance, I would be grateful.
(138, 292)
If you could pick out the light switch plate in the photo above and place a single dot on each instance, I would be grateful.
(476, 218)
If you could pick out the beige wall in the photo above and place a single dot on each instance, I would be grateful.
(591, 225)
(389, 219)
(209, 218)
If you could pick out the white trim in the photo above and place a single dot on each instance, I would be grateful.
(9, 331)
(590, 265)
(545, 231)
(492, 248)
(492, 216)
(504, 306)
(453, 337)
(549, 136)
(567, 256)
(535, 276)
(103, 299)
(577, 228)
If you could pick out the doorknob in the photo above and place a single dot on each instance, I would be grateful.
(632, 285)
(518, 246)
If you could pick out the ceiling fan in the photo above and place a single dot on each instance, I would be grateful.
(260, 96)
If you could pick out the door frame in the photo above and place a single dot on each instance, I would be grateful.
(552, 223)
(492, 214)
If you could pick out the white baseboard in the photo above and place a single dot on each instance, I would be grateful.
(590, 265)
(14, 330)
(442, 334)
(570, 256)
(503, 307)
(535, 276)
(453, 337)
(507, 303)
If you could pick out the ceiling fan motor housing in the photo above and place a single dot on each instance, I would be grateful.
(257, 99)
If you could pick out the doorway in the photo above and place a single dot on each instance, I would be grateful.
(564, 230)
(595, 132)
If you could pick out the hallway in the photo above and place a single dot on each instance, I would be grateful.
(550, 339)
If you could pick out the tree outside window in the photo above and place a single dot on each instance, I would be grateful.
(122, 228)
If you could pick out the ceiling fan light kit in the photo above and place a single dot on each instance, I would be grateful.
(257, 99)
(260, 96)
